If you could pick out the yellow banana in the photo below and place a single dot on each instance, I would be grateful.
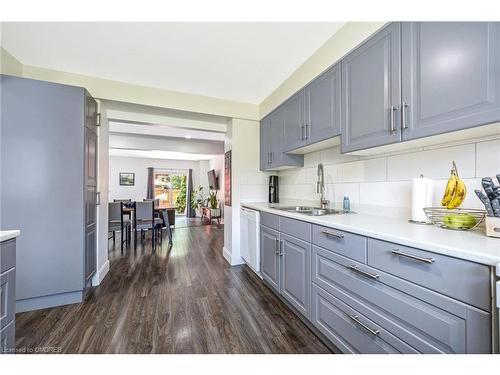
(460, 193)
(451, 189)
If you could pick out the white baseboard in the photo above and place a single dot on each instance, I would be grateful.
(101, 274)
(232, 260)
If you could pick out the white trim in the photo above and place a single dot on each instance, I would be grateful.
(101, 274)
(228, 256)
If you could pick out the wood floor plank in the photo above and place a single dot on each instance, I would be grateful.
(179, 298)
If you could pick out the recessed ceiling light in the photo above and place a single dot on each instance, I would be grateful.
(187, 136)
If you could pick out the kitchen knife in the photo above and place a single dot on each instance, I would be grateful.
(486, 202)
(495, 204)
(489, 192)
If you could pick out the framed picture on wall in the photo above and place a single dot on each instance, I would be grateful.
(127, 179)
(227, 178)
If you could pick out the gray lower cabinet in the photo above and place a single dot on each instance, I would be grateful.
(349, 330)
(272, 155)
(296, 272)
(451, 76)
(371, 296)
(371, 91)
(7, 296)
(270, 258)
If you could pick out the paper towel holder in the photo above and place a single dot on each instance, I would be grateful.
(417, 221)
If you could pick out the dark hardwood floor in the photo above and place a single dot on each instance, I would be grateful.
(179, 299)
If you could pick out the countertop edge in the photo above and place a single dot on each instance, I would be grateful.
(489, 260)
(6, 235)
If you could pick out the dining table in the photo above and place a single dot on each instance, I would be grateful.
(167, 212)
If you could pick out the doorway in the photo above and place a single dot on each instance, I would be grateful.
(170, 188)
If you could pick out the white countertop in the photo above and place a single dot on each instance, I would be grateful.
(8, 234)
(472, 245)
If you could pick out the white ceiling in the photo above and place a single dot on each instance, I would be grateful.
(237, 61)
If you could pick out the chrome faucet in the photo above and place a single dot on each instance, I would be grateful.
(320, 187)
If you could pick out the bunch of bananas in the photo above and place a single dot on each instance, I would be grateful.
(455, 191)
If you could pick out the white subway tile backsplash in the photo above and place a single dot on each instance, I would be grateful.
(434, 164)
(488, 158)
(391, 194)
(385, 180)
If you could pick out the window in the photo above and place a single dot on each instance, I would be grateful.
(170, 189)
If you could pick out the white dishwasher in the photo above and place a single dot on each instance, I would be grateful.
(250, 238)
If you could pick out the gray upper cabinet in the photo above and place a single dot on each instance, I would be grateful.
(271, 147)
(294, 121)
(270, 262)
(296, 272)
(323, 103)
(451, 76)
(371, 93)
(313, 114)
(265, 136)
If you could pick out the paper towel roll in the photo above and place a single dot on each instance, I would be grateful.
(422, 193)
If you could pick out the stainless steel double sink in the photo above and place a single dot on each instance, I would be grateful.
(310, 211)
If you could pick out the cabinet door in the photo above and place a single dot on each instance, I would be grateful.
(265, 136)
(276, 137)
(269, 248)
(451, 76)
(293, 122)
(323, 106)
(371, 93)
(295, 273)
(91, 146)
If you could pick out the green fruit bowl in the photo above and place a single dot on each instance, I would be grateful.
(457, 218)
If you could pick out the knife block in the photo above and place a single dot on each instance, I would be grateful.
(492, 226)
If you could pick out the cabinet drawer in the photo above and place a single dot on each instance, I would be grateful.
(270, 220)
(7, 255)
(7, 297)
(7, 339)
(407, 311)
(344, 243)
(466, 281)
(349, 330)
(296, 228)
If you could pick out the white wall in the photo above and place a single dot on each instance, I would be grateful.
(139, 166)
(385, 180)
(248, 183)
(102, 264)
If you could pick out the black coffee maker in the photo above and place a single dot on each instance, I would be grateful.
(273, 190)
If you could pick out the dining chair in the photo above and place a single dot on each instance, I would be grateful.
(156, 202)
(144, 219)
(116, 222)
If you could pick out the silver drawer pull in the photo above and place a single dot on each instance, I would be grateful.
(374, 332)
(364, 273)
(411, 256)
(333, 234)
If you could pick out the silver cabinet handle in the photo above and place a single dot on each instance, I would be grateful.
(282, 248)
(272, 156)
(374, 276)
(404, 124)
(333, 234)
(393, 126)
(276, 246)
(302, 133)
(307, 131)
(98, 198)
(355, 318)
(411, 256)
